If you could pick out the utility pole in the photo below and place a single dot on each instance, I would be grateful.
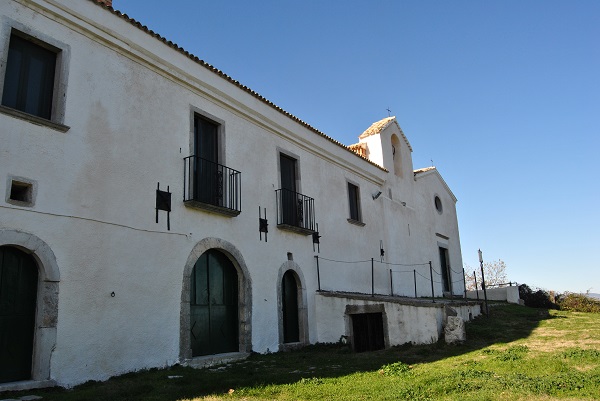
(487, 309)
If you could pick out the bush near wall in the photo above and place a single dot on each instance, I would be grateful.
(578, 303)
(536, 299)
(549, 300)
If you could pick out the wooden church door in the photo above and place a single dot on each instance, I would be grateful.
(214, 305)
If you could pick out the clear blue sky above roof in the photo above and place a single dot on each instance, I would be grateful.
(503, 96)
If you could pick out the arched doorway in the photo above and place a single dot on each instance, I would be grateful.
(214, 317)
(289, 301)
(18, 296)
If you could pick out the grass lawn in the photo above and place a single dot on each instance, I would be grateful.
(518, 353)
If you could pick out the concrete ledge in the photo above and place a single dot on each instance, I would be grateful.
(26, 385)
(420, 302)
(213, 360)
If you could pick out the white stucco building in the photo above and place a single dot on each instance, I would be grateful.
(136, 182)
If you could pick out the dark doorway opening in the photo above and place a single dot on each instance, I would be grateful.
(367, 332)
(290, 205)
(289, 298)
(208, 172)
(214, 305)
(444, 267)
(18, 297)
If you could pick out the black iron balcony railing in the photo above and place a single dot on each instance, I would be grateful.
(295, 211)
(212, 186)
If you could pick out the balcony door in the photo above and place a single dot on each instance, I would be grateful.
(291, 208)
(209, 174)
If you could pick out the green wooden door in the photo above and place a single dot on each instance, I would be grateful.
(289, 297)
(214, 305)
(18, 293)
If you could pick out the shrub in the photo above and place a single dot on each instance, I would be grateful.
(578, 303)
(394, 369)
(537, 299)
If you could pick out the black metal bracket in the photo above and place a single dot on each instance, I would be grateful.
(163, 202)
(316, 240)
(263, 224)
(381, 251)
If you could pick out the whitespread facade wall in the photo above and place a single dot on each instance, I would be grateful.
(129, 105)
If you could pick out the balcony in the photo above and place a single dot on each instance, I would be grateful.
(211, 186)
(295, 212)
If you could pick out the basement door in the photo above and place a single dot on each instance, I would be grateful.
(367, 332)
(289, 297)
(18, 293)
(214, 305)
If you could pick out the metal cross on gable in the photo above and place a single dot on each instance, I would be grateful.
(389, 112)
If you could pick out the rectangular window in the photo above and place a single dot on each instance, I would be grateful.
(29, 78)
(354, 200)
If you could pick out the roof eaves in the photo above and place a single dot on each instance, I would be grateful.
(423, 172)
(220, 73)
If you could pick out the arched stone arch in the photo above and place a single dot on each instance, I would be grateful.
(244, 294)
(47, 299)
(292, 266)
(396, 155)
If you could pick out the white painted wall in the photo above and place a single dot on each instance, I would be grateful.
(509, 294)
(408, 322)
(129, 102)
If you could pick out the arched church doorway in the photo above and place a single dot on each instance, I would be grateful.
(214, 317)
(18, 296)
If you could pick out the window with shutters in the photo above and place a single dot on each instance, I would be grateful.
(354, 204)
(32, 81)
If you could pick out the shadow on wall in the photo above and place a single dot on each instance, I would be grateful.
(506, 323)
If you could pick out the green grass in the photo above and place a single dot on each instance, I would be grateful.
(517, 354)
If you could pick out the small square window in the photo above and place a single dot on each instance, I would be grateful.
(29, 77)
(354, 201)
(20, 192)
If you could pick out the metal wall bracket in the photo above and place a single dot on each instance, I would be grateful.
(316, 240)
(163, 202)
(263, 224)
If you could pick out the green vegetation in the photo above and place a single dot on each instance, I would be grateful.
(578, 303)
(549, 300)
(518, 353)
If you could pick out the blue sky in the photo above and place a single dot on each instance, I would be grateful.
(503, 96)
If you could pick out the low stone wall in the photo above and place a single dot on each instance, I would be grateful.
(405, 320)
(507, 294)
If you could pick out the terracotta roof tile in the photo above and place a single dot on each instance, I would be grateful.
(377, 127)
(423, 170)
(359, 148)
